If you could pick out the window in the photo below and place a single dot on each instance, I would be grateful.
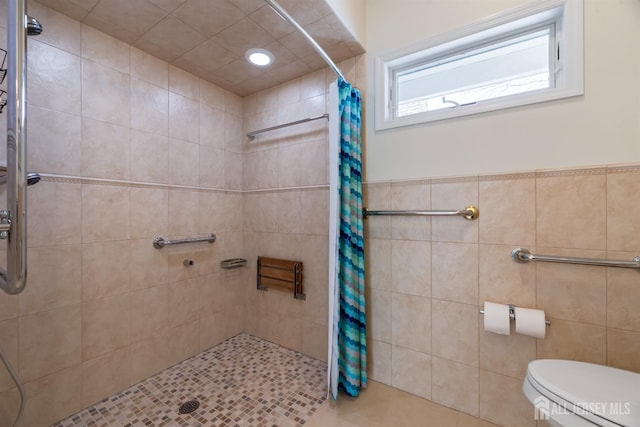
(528, 55)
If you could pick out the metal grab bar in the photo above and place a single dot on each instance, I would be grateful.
(160, 242)
(14, 219)
(470, 213)
(523, 255)
(284, 125)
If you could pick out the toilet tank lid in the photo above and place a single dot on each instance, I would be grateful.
(609, 393)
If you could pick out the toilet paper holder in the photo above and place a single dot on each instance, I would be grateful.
(512, 314)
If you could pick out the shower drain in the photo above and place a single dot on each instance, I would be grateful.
(189, 407)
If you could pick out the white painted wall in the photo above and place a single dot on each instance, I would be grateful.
(352, 13)
(601, 127)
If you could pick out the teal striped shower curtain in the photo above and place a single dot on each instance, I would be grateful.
(348, 371)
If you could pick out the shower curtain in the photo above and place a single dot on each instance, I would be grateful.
(347, 370)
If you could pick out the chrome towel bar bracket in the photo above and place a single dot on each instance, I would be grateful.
(469, 213)
(523, 255)
(160, 242)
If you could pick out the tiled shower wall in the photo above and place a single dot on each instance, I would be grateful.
(427, 279)
(286, 206)
(130, 149)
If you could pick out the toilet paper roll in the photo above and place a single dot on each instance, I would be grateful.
(530, 322)
(496, 318)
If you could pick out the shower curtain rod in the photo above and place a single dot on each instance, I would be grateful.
(284, 15)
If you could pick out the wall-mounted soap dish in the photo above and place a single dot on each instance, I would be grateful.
(229, 264)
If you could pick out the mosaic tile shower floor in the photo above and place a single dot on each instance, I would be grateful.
(244, 381)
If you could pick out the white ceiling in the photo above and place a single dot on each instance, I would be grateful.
(210, 37)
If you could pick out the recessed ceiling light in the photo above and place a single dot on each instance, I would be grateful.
(259, 57)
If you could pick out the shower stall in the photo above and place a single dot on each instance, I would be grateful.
(139, 131)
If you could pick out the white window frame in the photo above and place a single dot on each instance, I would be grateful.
(568, 64)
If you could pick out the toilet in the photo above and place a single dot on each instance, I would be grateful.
(567, 393)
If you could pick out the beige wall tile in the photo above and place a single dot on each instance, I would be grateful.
(183, 307)
(414, 196)
(53, 397)
(411, 371)
(453, 196)
(573, 292)
(184, 83)
(212, 331)
(314, 340)
(508, 212)
(211, 167)
(54, 78)
(149, 212)
(105, 93)
(316, 309)
(573, 341)
(104, 49)
(106, 269)
(503, 280)
(106, 325)
(49, 341)
(378, 264)
(623, 348)
(8, 303)
(105, 213)
(233, 170)
(54, 141)
(379, 315)
(149, 108)
(411, 322)
(289, 167)
(503, 402)
(54, 279)
(105, 150)
(149, 312)
(623, 294)
(411, 267)
(454, 272)
(149, 157)
(105, 375)
(558, 198)
(379, 361)
(506, 355)
(54, 214)
(622, 201)
(183, 163)
(213, 211)
(149, 68)
(290, 212)
(149, 355)
(183, 213)
(267, 173)
(183, 342)
(215, 96)
(9, 345)
(151, 266)
(455, 385)
(9, 404)
(451, 316)
(212, 123)
(315, 213)
(184, 118)
(314, 163)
